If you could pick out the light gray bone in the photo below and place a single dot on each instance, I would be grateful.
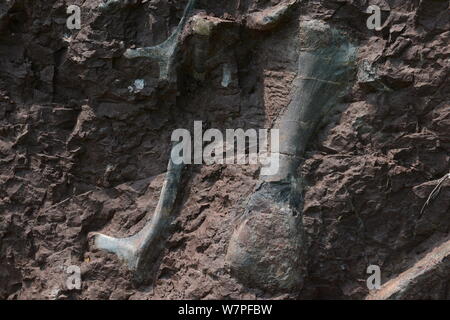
(165, 53)
(266, 248)
(142, 249)
(435, 264)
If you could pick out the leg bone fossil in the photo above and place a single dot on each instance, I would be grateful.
(166, 52)
(266, 247)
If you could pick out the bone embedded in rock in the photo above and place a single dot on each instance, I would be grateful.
(270, 229)
(325, 69)
(165, 53)
(140, 250)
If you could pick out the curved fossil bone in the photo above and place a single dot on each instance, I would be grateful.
(269, 18)
(143, 248)
(166, 52)
(420, 275)
(266, 248)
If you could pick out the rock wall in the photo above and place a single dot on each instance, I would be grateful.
(85, 141)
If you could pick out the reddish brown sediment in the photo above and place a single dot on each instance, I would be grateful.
(83, 148)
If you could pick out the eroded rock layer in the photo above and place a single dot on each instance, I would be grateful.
(85, 142)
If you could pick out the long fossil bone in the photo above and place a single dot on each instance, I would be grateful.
(435, 264)
(267, 246)
(265, 249)
(166, 52)
(140, 250)
(270, 17)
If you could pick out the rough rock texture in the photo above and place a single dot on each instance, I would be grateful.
(85, 141)
(420, 280)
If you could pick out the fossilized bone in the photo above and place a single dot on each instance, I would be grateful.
(110, 4)
(264, 252)
(436, 261)
(140, 250)
(260, 253)
(270, 17)
(166, 52)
